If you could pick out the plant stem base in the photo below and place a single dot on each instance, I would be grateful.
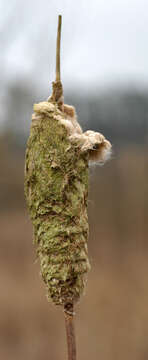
(70, 331)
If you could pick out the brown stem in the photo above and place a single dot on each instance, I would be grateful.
(70, 332)
(58, 49)
(57, 89)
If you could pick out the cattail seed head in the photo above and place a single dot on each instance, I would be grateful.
(56, 189)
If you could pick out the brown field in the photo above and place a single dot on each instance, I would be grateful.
(112, 318)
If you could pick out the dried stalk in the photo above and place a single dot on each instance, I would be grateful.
(57, 89)
(70, 331)
(58, 77)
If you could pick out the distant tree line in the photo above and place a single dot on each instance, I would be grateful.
(122, 115)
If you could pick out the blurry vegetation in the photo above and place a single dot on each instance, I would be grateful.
(120, 114)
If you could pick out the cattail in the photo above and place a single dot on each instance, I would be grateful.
(56, 189)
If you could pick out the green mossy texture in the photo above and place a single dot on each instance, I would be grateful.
(56, 190)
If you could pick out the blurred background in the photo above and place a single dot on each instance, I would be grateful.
(104, 59)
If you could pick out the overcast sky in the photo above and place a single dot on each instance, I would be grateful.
(103, 42)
